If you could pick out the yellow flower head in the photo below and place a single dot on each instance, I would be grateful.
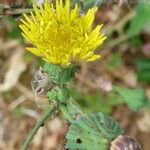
(60, 35)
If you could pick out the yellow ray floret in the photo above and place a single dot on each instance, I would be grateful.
(60, 35)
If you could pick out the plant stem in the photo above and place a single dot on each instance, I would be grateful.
(32, 133)
(113, 43)
(9, 12)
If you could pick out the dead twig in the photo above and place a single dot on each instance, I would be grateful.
(120, 24)
(10, 12)
(30, 112)
(17, 102)
(27, 93)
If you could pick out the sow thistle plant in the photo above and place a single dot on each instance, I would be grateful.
(63, 38)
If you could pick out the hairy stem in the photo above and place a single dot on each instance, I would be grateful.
(32, 133)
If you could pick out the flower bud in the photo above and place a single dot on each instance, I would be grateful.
(125, 143)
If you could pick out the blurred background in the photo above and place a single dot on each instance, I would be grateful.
(118, 84)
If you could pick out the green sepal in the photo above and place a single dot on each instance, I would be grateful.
(59, 74)
(92, 131)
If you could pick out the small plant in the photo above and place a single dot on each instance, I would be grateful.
(63, 38)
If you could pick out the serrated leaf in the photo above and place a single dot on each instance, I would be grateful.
(134, 98)
(92, 131)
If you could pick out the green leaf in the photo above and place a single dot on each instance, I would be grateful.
(143, 65)
(96, 101)
(91, 3)
(136, 41)
(144, 75)
(115, 61)
(92, 131)
(70, 110)
(15, 32)
(31, 1)
(134, 98)
(85, 5)
(141, 18)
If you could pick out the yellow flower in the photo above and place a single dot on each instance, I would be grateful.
(60, 35)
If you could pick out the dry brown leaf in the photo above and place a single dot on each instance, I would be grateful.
(17, 66)
(144, 122)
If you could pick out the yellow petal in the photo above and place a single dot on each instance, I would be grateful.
(60, 35)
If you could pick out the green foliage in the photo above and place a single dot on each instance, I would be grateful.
(141, 18)
(70, 110)
(86, 4)
(143, 65)
(134, 98)
(28, 57)
(17, 112)
(31, 1)
(115, 61)
(61, 94)
(96, 101)
(92, 131)
(60, 74)
(144, 75)
(38, 63)
(136, 41)
(15, 32)
(90, 3)
(52, 94)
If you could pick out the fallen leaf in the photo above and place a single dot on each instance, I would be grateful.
(17, 66)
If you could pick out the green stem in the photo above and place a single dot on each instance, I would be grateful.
(32, 133)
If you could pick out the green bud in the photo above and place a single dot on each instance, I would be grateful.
(59, 74)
